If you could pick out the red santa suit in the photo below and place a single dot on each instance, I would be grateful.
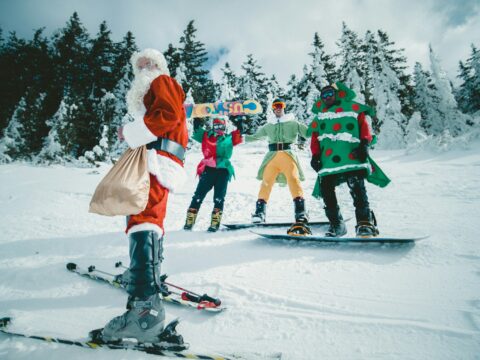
(156, 104)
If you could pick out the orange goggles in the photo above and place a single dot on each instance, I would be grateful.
(278, 105)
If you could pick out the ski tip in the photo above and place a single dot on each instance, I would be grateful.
(5, 321)
(71, 266)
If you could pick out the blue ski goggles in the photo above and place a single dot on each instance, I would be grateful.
(328, 93)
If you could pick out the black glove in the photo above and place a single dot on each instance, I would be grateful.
(361, 152)
(240, 126)
(316, 163)
(197, 123)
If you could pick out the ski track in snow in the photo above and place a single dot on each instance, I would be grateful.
(306, 300)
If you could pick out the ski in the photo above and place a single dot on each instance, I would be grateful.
(183, 298)
(314, 238)
(147, 348)
(239, 226)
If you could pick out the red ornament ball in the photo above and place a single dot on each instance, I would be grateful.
(337, 127)
(355, 107)
(342, 94)
(338, 110)
(328, 152)
(319, 103)
(314, 125)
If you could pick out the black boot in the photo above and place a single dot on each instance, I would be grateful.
(366, 223)
(145, 315)
(260, 212)
(337, 226)
(300, 227)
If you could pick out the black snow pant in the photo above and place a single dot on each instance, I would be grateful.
(211, 177)
(356, 183)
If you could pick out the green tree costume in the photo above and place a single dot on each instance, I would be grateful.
(339, 135)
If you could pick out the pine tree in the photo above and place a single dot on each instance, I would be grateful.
(451, 118)
(385, 85)
(227, 87)
(468, 94)
(322, 67)
(13, 142)
(398, 63)
(414, 132)
(59, 145)
(124, 51)
(252, 85)
(172, 55)
(351, 70)
(194, 56)
(274, 88)
(72, 50)
(425, 100)
(13, 78)
(102, 56)
(296, 104)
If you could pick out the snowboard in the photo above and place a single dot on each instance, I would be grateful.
(240, 107)
(239, 226)
(315, 238)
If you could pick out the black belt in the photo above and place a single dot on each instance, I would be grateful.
(168, 146)
(279, 146)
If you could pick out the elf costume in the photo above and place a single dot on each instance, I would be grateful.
(340, 137)
(215, 170)
(281, 165)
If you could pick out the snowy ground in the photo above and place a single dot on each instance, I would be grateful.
(308, 301)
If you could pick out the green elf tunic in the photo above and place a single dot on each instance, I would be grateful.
(338, 133)
(279, 130)
(217, 149)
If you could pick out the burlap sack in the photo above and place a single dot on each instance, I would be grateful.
(124, 190)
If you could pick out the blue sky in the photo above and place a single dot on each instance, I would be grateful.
(278, 32)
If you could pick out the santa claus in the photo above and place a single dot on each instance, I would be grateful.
(155, 101)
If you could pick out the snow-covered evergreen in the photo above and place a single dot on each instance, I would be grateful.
(451, 118)
(385, 87)
(12, 141)
(351, 65)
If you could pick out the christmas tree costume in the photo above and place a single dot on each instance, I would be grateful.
(340, 136)
(215, 170)
(280, 164)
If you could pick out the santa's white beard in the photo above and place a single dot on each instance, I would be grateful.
(140, 85)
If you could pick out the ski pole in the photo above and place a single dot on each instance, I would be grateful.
(92, 268)
(189, 295)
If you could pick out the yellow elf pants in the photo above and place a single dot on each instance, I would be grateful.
(281, 163)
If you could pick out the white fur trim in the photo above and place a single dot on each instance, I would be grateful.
(340, 137)
(286, 117)
(146, 227)
(345, 167)
(167, 171)
(329, 115)
(136, 133)
(152, 54)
